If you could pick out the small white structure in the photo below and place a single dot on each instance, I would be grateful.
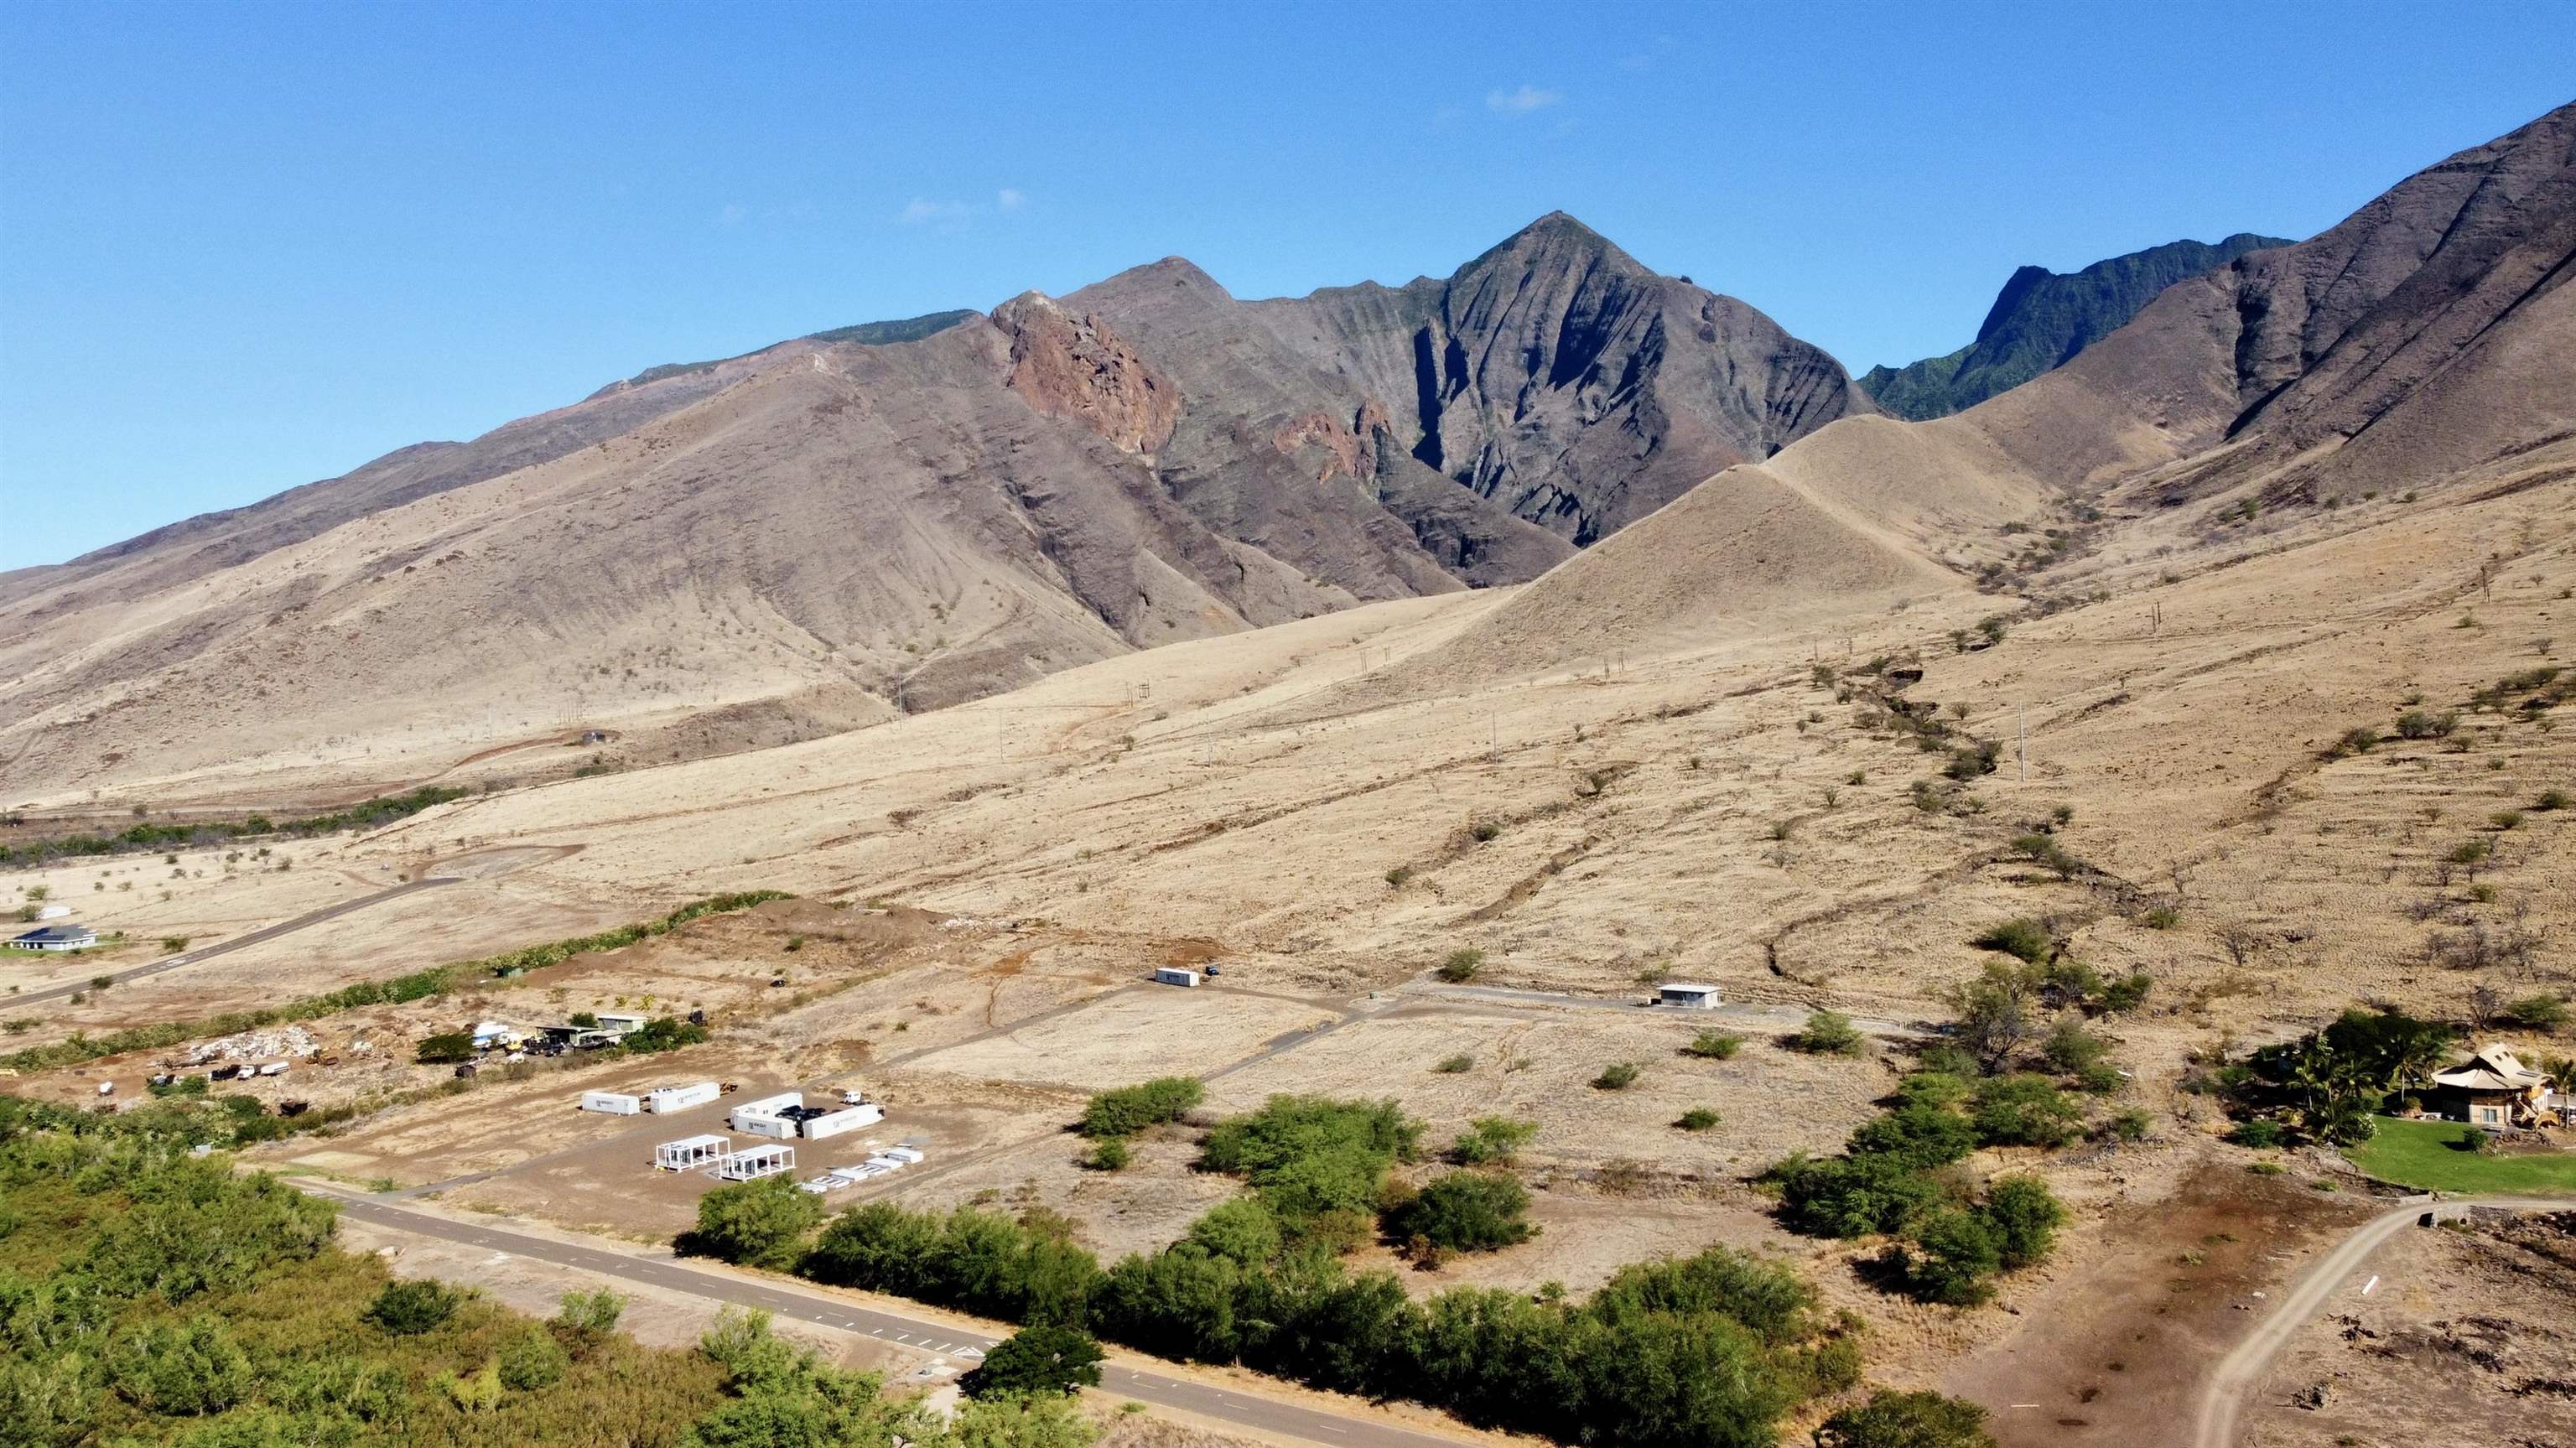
(692, 1152)
(754, 1162)
(1683, 995)
(1174, 975)
(848, 1118)
(620, 1025)
(901, 1155)
(614, 1103)
(496, 1033)
(776, 1128)
(827, 1182)
(681, 1098)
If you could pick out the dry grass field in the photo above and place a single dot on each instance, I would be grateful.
(1319, 809)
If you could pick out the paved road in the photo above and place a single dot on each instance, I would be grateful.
(793, 1302)
(283, 927)
(2237, 1375)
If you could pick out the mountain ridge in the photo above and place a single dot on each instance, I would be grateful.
(2041, 319)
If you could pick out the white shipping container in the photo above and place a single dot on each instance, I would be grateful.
(777, 1128)
(681, 1098)
(1174, 975)
(833, 1124)
(769, 1105)
(615, 1103)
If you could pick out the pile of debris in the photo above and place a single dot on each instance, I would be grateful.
(269, 1045)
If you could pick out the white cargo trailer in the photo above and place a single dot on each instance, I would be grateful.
(833, 1123)
(777, 1128)
(1174, 975)
(754, 1162)
(681, 1098)
(692, 1152)
(615, 1103)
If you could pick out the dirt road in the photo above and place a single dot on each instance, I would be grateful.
(793, 1301)
(1782, 1019)
(283, 927)
(2243, 1368)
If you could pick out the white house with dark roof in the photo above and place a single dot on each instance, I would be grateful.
(56, 937)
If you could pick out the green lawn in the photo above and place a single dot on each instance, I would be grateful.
(2426, 1154)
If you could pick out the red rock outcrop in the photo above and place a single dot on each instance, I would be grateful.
(1073, 367)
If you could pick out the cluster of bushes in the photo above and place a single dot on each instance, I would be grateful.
(144, 835)
(1131, 1109)
(418, 985)
(1711, 1350)
(1951, 1240)
(1715, 1349)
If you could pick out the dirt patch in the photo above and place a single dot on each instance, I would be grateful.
(2485, 1309)
(2114, 1348)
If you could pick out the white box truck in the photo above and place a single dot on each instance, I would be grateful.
(681, 1098)
(614, 1103)
(850, 1118)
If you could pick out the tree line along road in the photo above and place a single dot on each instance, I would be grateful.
(791, 1301)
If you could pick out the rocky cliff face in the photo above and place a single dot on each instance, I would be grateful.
(2041, 319)
(1562, 379)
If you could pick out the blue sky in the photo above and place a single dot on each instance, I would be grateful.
(243, 247)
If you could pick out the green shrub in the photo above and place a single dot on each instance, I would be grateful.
(1714, 1046)
(2023, 938)
(2259, 1133)
(1827, 1033)
(2551, 799)
(2024, 1110)
(1465, 1211)
(1131, 1109)
(1109, 1153)
(1462, 965)
(1907, 1420)
(2506, 819)
(179, 1369)
(408, 1307)
(1698, 1118)
(2360, 739)
(1457, 1065)
(1617, 1076)
(1953, 1260)
(2161, 917)
(2537, 1012)
(2023, 1216)
(530, 1359)
(1311, 1156)
(1917, 1135)
(1492, 1141)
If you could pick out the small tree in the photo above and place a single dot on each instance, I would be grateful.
(1954, 1260)
(1131, 1109)
(1109, 1153)
(756, 1224)
(1462, 965)
(1040, 1361)
(445, 1049)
